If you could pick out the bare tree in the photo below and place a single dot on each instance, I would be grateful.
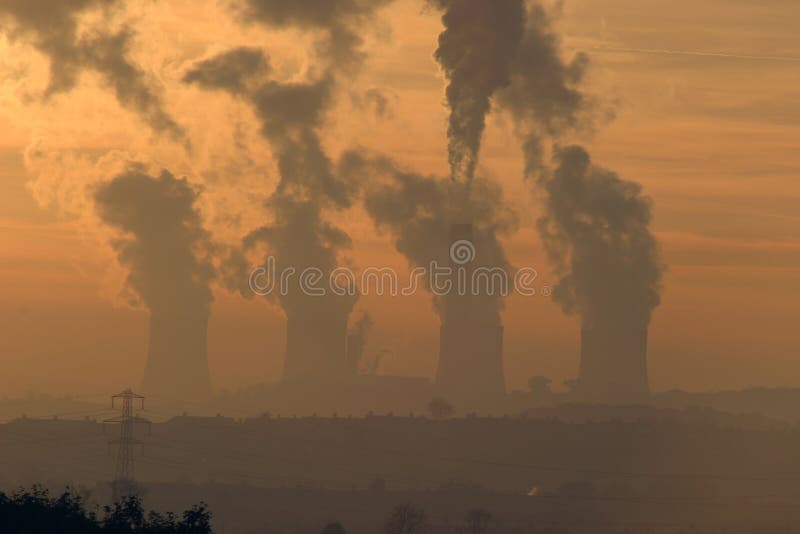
(477, 521)
(406, 519)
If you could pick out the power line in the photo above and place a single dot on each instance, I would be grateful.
(540, 467)
(696, 53)
(419, 455)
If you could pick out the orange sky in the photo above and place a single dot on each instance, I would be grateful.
(707, 119)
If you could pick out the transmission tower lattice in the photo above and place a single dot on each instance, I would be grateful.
(124, 484)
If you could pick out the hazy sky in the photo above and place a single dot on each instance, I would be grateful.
(706, 118)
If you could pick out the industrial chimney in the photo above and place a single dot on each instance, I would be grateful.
(471, 333)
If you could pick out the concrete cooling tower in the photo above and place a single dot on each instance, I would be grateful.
(177, 357)
(471, 332)
(613, 366)
(316, 339)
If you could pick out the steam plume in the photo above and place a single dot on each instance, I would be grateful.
(292, 116)
(341, 23)
(596, 232)
(544, 96)
(596, 226)
(52, 27)
(475, 51)
(418, 211)
(162, 242)
(299, 237)
(425, 217)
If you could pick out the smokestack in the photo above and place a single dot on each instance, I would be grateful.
(471, 333)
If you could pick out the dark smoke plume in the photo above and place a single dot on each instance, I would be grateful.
(544, 97)
(596, 232)
(378, 102)
(475, 51)
(418, 212)
(165, 247)
(52, 28)
(596, 226)
(427, 218)
(342, 24)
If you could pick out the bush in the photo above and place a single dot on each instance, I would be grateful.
(34, 511)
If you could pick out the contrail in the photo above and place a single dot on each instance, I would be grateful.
(700, 53)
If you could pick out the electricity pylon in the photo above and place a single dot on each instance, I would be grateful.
(124, 484)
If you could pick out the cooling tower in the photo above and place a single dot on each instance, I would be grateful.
(177, 358)
(316, 337)
(613, 365)
(471, 333)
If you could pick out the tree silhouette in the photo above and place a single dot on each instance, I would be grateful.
(440, 409)
(405, 519)
(477, 521)
(34, 511)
